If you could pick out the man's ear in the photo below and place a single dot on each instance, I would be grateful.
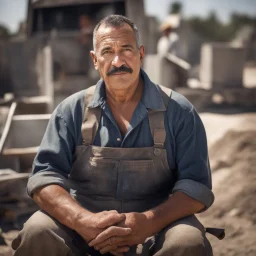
(94, 59)
(142, 53)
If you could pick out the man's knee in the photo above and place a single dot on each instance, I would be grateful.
(40, 232)
(34, 229)
(183, 239)
(188, 241)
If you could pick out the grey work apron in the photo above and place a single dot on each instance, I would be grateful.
(122, 179)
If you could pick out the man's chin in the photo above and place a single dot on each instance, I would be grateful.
(119, 84)
(121, 77)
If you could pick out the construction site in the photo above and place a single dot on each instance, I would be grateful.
(54, 62)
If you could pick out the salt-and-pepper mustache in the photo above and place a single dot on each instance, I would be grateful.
(114, 70)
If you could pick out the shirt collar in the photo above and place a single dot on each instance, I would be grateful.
(99, 95)
(151, 97)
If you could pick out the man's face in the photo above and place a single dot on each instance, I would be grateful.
(117, 56)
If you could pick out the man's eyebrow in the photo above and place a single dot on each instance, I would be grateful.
(106, 48)
(127, 46)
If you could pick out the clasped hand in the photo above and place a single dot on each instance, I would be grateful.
(132, 230)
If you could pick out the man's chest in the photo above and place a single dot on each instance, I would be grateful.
(123, 116)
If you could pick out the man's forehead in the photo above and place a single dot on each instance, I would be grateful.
(104, 28)
(105, 32)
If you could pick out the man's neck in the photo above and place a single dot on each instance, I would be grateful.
(125, 96)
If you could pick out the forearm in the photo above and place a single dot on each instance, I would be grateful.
(178, 205)
(58, 203)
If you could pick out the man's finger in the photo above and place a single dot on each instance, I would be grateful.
(110, 219)
(102, 245)
(109, 212)
(116, 253)
(127, 241)
(108, 233)
(108, 248)
(117, 241)
(122, 249)
(114, 248)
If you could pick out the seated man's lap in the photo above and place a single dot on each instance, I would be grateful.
(183, 235)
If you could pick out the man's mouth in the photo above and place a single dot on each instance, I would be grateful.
(119, 73)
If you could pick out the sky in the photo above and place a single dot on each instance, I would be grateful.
(14, 11)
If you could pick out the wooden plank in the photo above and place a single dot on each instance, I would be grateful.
(178, 61)
(35, 99)
(33, 117)
(20, 151)
(8, 174)
(7, 125)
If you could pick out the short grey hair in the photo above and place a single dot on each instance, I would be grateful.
(116, 21)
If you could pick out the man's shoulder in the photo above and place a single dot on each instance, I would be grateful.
(180, 101)
(175, 99)
(179, 104)
(181, 111)
(71, 109)
(72, 102)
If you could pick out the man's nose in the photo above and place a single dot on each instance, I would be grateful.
(117, 61)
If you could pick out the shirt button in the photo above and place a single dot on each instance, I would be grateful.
(118, 139)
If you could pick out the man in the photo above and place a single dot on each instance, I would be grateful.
(169, 41)
(172, 57)
(122, 167)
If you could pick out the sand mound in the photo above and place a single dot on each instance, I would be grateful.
(233, 159)
(233, 148)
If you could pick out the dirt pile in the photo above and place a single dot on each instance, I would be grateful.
(233, 160)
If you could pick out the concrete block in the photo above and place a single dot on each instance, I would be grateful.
(23, 140)
(222, 65)
(26, 131)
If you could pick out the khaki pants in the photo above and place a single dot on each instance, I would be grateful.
(44, 236)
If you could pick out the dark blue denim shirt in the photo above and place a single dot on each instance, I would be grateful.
(185, 143)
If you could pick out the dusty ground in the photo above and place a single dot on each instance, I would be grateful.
(232, 144)
(232, 147)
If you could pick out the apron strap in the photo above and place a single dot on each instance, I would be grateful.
(91, 118)
(156, 119)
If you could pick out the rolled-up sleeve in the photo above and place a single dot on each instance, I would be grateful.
(53, 161)
(192, 163)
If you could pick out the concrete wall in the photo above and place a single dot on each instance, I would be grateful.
(72, 56)
(18, 68)
(153, 35)
(136, 12)
(5, 74)
(22, 67)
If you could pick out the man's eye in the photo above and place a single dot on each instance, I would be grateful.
(106, 52)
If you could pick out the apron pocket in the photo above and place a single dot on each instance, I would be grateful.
(141, 179)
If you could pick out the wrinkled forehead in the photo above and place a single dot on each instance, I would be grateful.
(108, 34)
